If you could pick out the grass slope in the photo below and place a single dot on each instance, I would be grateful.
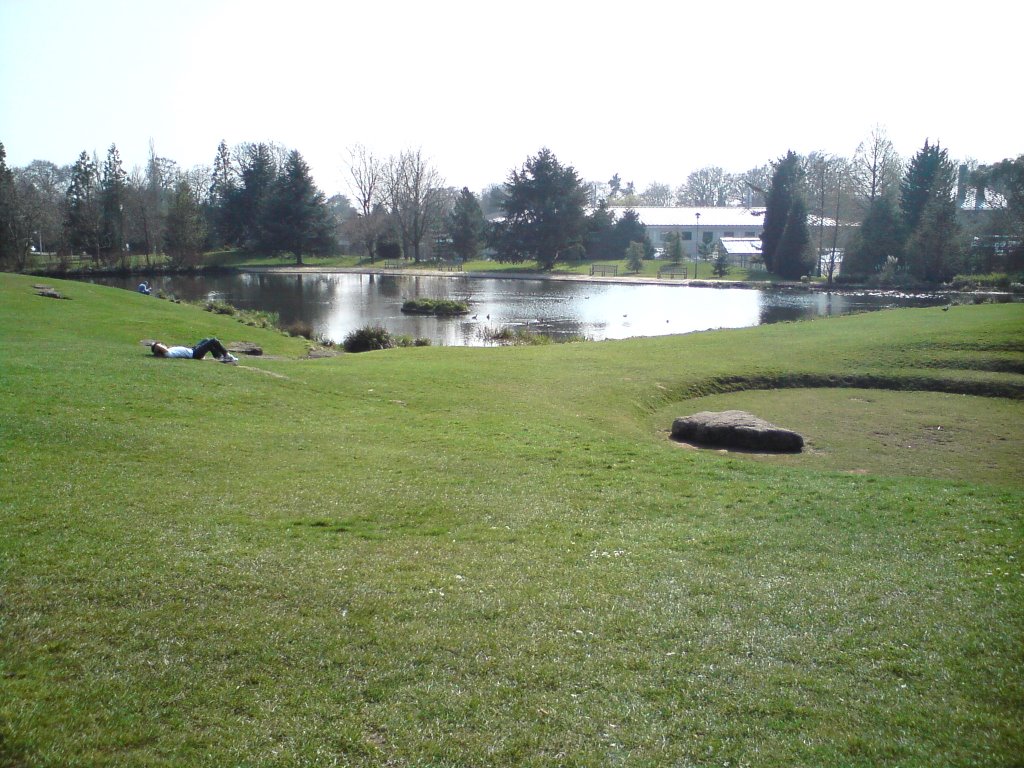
(455, 556)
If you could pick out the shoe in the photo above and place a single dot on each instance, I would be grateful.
(229, 358)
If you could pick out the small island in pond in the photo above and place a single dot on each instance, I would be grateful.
(439, 307)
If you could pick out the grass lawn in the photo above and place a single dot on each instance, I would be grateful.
(496, 557)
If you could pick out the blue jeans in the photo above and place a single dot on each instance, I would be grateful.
(208, 345)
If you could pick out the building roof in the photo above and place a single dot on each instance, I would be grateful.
(737, 246)
(721, 216)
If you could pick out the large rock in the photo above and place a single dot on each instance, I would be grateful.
(735, 429)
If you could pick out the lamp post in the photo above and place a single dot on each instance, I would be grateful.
(696, 248)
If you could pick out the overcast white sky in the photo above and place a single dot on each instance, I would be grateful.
(648, 89)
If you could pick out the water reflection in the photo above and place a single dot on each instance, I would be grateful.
(335, 304)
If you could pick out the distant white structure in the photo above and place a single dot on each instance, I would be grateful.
(710, 225)
(741, 251)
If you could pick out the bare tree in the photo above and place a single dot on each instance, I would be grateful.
(366, 182)
(877, 167)
(414, 193)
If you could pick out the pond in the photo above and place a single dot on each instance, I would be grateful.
(335, 304)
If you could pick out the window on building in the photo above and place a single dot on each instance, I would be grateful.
(707, 237)
(750, 234)
(687, 235)
(728, 233)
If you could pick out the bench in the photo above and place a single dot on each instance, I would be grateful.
(392, 264)
(604, 269)
(449, 267)
(673, 270)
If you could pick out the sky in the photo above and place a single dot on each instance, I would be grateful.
(650, 90)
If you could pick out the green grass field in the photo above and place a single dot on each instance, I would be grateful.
(496, 557)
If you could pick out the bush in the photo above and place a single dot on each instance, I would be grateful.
(299, 328)
(969, 282)
(368, 338)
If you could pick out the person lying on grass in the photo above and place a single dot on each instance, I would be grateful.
(198, 352)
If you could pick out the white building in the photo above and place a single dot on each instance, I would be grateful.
(705, 225)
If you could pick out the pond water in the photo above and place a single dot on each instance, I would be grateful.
(335, 304)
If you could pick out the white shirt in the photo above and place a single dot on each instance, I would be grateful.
(185, 352)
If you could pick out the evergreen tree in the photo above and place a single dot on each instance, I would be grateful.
(721, 263)
(186, 227)
(224, 224)
(792, 256)
(466, 226)
(296, 217)
(928, 207)
(601, 240)
(629, 229)
(784, 188)
(930, 172)
(933, 249)
(258, 173)
(113, 187)
(673, 247)
(879, 236)
(83, 215)
(13, 248)
(544, 211)
(635, 256)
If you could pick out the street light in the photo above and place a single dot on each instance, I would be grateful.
(696, 248)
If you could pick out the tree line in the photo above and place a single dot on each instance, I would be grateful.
(912, 221)
(262, 197)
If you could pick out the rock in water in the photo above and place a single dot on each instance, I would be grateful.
(735, 429)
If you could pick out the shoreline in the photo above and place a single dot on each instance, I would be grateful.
(760, 285)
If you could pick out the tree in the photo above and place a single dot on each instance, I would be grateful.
(879, 236)
(673, 247)
(929, 173)
(258, 170)
(185, 227)
(704, 187)
(113, 187)
(784, 189)
(629, 229)
(415, 197)
(41, 186)
(366, 181)
(657, 195)
(928, 209)
(600, 239)
(876, 167)
(635, 256)
(933, 251)
(751, 187)
(466, 226)
(544, 212)
(82, 210)
(340, 213)
(826, 187)
(720, 266)
(792, 256)
(13, 243)
(614, 186)
(296, 213)
(1005, 181)
(224, 228)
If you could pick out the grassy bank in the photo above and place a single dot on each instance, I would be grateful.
(465, 556)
